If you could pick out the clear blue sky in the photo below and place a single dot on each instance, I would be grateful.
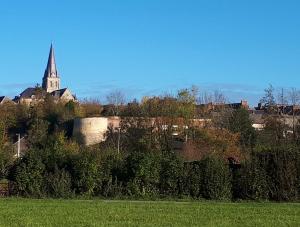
(147, 47)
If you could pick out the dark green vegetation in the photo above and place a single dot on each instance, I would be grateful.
(222, 160)
(23, 212)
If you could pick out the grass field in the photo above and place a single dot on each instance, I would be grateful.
(30, 212)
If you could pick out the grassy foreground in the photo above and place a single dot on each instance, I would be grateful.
(30, 212)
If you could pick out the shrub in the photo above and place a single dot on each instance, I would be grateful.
(281, 167)
(29, 175)
(216, 180)
(192, 179)
(85, 174)
(171, 174)
(59, 184)
(143, 171)
(250, 181)
(113, 175)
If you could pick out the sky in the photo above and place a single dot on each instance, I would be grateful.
(152, 47)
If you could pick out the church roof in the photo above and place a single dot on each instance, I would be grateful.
(27, 93)
(63, 94)
(51, 70)
(31, 92)
(58, 93)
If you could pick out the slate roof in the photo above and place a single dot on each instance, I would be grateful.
(51, 70)
(27, 93)
(58, 93)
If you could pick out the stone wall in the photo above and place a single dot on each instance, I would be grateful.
(89, 131)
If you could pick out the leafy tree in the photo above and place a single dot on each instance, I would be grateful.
(274, 133)
(38, 132)
(240, 122)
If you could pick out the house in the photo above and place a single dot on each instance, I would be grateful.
(4, 99)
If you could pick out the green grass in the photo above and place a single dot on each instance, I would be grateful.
(31, 212)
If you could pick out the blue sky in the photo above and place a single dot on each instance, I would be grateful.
(149, 47)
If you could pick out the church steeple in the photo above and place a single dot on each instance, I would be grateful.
(51, 80)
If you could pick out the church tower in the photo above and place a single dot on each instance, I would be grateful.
(51, 80)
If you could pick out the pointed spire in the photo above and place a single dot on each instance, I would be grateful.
(51, 80)
(51, 70)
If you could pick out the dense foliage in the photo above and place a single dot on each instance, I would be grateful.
(223, 160)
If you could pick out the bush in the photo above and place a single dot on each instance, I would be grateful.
(281, 167)
(171, 174)
(216, 180)
(29, 175)
(250, 181)
(143, 171)
(85, 174)
(59, 184)
(113, 175)
(192, 179)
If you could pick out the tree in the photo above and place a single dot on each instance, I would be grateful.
(274, 132)
(240, 122)
(205, 98)
(294, 97)
(91, 108)
(219, 97)
(38, 132)
(282, 98)
(116, 99)
(186, 99)
(268, 100)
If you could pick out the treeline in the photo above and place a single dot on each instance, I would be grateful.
(224, 159)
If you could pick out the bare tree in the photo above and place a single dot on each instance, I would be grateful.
(294, 97)
(282, 97)
(205, 98)
(219, 97)
(116, 98)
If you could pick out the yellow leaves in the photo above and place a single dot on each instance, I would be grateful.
(215, 141)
